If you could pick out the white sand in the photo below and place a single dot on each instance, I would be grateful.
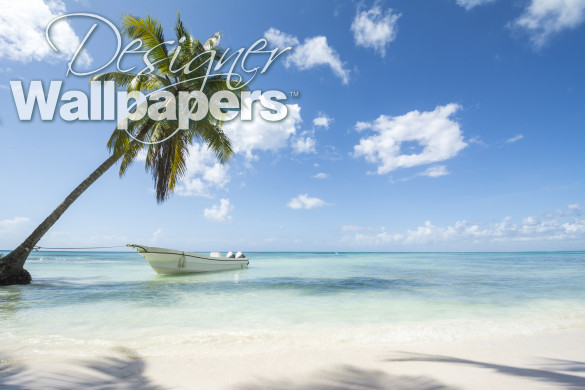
(544, 361)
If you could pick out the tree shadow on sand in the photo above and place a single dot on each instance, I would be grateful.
(123, 370)
(548, 373)
(563, 365)
(350, 378)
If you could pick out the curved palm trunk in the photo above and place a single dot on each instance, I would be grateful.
(12, 266)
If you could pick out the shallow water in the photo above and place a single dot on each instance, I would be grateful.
(81, 303)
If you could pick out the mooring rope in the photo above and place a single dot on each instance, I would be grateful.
(36, 248)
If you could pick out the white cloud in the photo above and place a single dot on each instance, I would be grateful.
(9, 225)
(544, 18)
(355, 228)
(316, 52)
(375, 28)
(469, 4)
(219, 212)
(303, 201)
(304, 145)
(260, 134)
(439, 136)
(204, 173)
(351, 228)
(514, 139)
(13, 231)
(477, 140)
(22, 32)
(322, 120)
(361, 126)
(279, 39)
(378, 238)
(155, 235)
(571, 211)
(435, 171)
(530, 221)
(311, 53)
(141, 156)
(531, 229)
(321, 175)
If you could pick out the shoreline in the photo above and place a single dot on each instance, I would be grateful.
(540, 361)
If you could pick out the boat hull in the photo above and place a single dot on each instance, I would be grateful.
(169, 261)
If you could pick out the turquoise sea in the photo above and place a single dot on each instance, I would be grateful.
(83, 303)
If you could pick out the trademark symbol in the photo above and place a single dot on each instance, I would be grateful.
(295, 94)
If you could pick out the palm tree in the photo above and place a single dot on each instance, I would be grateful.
(165, 160)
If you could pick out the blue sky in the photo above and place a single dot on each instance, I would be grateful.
(452, 125)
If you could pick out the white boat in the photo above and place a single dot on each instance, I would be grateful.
(170, 261)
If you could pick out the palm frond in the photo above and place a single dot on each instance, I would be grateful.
(213, 136)
(134, 82)
(151, 33)
(120, 140)
(180, 29)
(167, 160)
(134, 147)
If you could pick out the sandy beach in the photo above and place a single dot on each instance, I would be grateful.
(543, 361)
